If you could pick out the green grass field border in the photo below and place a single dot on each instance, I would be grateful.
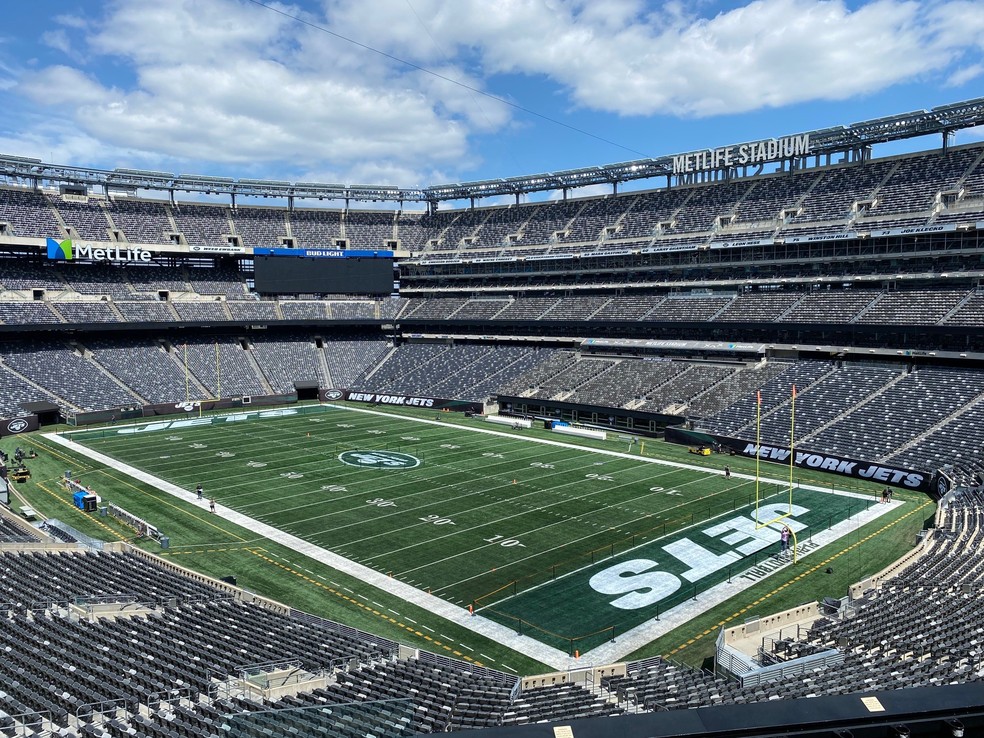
(231, 554)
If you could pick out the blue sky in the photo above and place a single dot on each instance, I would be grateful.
(232, 88)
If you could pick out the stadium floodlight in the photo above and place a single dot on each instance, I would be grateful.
(263, 182)
(974, 105)
(314, 189)
(373, 192)
(141, 173)
(961, 115)
(205, 178)
(17, 160)
(891, 123)
(138, 178)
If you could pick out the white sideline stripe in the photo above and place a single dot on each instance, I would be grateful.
(553, 657)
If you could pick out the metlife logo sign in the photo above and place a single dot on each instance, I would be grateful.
(66, 250)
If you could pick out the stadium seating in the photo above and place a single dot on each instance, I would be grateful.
(627, 381)
(959, 441)
(150, 371)
(628, 307)
(11, 532)
(119, 676)
(759, 307)
(681, 389)
(315, 228)
(840, 409)
(29, 214)
(312, 310)
(830, 306)
(153, 312)
(367, 230)
(928, 397)
(28, 313)
(893, 192)
(141, 221)
(527, 308)
(203, 224)
(87, 220)
(217, 282)
(203, 311)
(481, 308)
(919, 307)
(66, 375)
(252, 311)
(223, 367)
(260, 227)
(284, 362)
(19, 275)
(85, 312)
(349, 358)
(679, 277)
(823, 401)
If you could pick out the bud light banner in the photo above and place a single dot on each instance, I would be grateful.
(845, 467)
(396, 400)
(22, 424)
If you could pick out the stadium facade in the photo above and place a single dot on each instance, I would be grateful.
(799, 261)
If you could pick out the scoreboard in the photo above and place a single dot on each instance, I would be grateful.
(312, 271)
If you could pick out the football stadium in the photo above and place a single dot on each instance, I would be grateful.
(703, 455)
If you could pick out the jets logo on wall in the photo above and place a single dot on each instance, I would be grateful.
(16, 425)
(334, 394)
(379, 459)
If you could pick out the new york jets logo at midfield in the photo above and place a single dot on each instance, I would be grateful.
(379, 459)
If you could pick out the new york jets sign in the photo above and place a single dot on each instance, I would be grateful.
(379, 459)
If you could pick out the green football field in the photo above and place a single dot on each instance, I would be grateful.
(549, 539)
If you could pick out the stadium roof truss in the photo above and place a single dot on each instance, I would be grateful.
(827, 142)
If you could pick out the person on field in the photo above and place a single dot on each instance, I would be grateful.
(784, 539)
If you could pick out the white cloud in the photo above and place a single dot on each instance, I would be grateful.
(57, 39)
(230, 83)
(964, 75)
(616, 56)
(231, 86)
